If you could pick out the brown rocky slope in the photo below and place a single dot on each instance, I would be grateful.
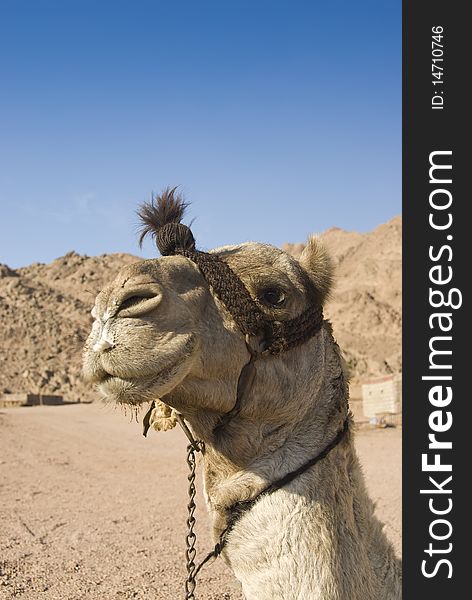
(45, 311)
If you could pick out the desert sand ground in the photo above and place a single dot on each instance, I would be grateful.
(90, 509)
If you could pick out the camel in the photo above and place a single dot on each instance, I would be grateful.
(162, 332)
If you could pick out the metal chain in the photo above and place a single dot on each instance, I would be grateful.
(191, 537)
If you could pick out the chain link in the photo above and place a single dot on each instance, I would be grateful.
(191, 537)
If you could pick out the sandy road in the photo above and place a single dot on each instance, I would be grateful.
(89, 509)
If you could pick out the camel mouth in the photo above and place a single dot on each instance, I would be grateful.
(130, 390)
(122, 390)
(120, 374)
(138, 390)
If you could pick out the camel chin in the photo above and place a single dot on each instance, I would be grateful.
(127, 391)
(136, 391)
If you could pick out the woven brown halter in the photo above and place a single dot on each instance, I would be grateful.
(161, 218)
(264, 337)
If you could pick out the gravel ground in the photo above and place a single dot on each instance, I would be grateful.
(89, 509)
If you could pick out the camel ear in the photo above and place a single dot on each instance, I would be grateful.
(318, 264)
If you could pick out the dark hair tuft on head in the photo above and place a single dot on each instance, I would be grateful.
(169, 207)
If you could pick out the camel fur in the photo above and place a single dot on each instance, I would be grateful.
(160, 332)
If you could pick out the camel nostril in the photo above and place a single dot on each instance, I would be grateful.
(139, 302)
(133, 301)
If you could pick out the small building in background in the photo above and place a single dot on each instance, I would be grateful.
(382, 398)
(22, 399)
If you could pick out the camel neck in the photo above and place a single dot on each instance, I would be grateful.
(239, 508)
(316, 535)
(252, 457)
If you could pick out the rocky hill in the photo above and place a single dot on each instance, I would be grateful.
(45, 311)
(45, 319)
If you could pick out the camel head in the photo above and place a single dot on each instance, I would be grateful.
(161, 331)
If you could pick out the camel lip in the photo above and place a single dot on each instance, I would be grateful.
(109, 379)
(105, 377)
(125, 390)
(136, 390)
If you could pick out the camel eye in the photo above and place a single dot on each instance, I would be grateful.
(273, 297)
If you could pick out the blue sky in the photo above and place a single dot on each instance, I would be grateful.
(277, 119)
